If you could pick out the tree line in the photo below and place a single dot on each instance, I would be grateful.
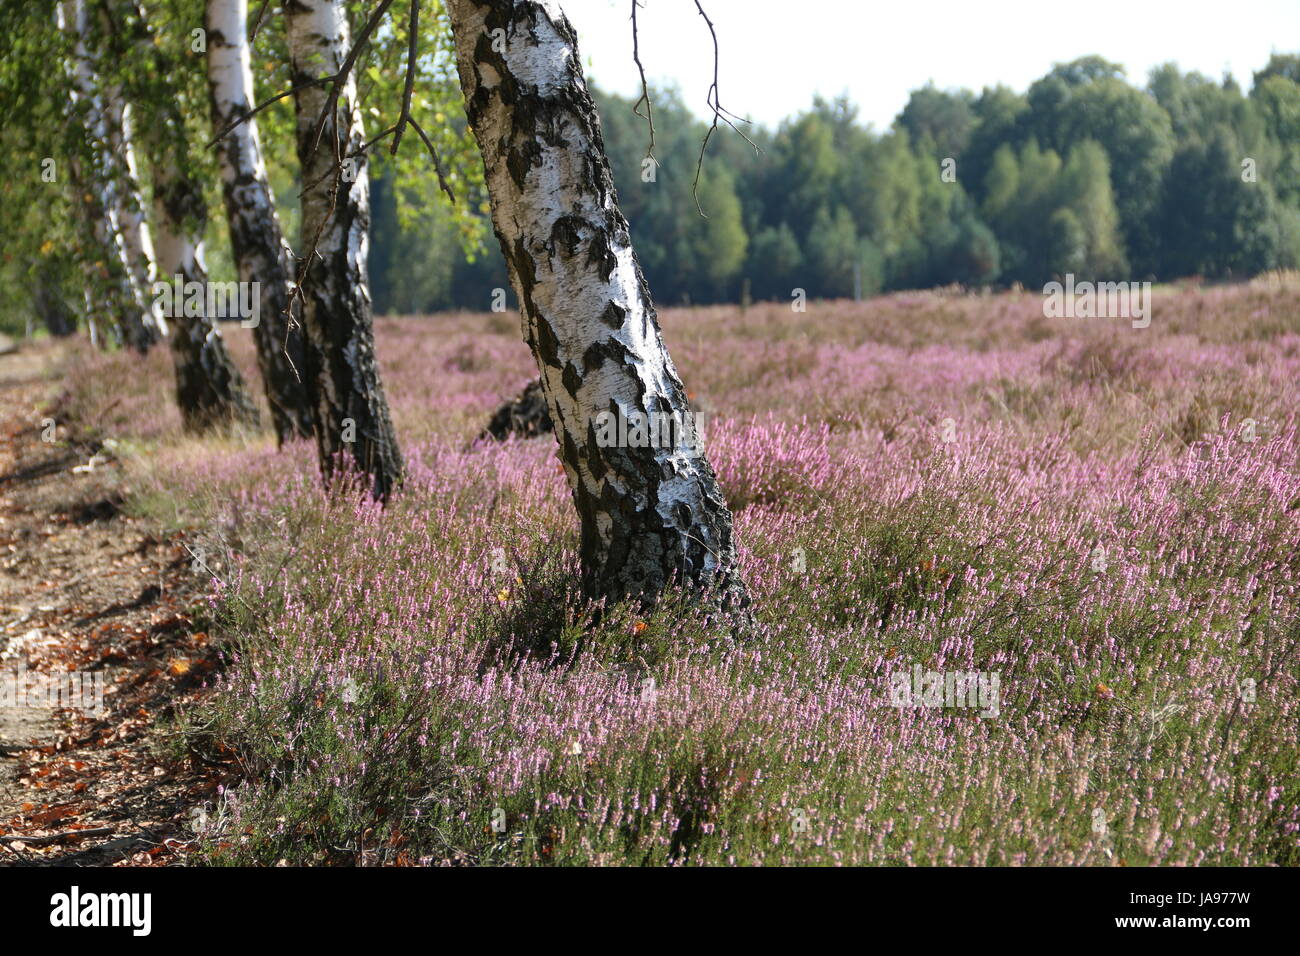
(1084, 173)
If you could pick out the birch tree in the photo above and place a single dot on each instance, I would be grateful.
(130, 217)
(108, 189)
(650, 514)
(210, 391)
(260, 252)
(348, 403)
(107, 293)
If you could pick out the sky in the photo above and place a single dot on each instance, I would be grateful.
(775, 54)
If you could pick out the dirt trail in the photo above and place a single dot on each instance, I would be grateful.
(23, 383)
(93, 600)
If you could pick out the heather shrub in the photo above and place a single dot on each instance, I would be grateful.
(922, 484)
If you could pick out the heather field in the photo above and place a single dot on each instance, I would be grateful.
(1102, 522)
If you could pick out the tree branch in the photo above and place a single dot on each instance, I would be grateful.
(257, 109)
(413, 34)
(257, 24)
(645, 89)
(59, 837)
(715, 103)
(437, 164)
(331, 102)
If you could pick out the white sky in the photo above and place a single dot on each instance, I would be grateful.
(775, 54)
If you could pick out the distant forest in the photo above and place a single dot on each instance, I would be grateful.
(1084, 173)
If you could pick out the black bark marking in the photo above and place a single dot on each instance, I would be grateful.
(613, 315)
(606, 350)
(566, 233)
(572, 379)
(601, 256)
(548, 344)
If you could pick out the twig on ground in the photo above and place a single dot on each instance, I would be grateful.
(58, 837)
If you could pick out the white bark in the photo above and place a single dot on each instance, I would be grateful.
(137, 238)
(260, 252)
(342, 374)
(115, 209)
(111, 289)
(175, 198)
(209, 389)
(651, 514)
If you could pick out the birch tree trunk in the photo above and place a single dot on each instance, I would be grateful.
(125, 302)
(342, 375)
(55, 315)
(260, 252)
(133, 227)
(107, 292)
(650, 516)
(209, 389)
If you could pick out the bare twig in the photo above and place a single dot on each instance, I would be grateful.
(261, 106)
(437, 164)
(257, 24)
(649, 114)
(15, 851)
(715, 103)
(405, 118)
(361, 151)
(341, 77)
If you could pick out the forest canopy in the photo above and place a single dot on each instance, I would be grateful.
(1084, 173)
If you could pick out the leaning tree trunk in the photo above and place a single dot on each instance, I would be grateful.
(348, 403)
(260, 252)
(651, 516)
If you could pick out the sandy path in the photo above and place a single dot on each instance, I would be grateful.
(84, 590)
